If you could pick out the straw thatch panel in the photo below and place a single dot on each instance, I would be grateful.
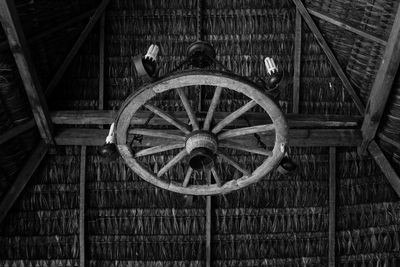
(47, 54)
(390, 124)
(281, 221)
(14, 111)
(243, 33)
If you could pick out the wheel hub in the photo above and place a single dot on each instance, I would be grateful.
(201, 146)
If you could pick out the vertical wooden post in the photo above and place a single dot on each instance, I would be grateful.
(101, 63)
(297, 64)
(82, 257)
(332, 206)
(208, 232)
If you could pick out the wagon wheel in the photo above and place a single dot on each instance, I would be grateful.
(202, 143)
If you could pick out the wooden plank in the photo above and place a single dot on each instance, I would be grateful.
(345, 26)
(17, 130)
(16, 39)
(22, 179)
(82, 37)
(297, 137)
(385, 166)
(4, 45)
(335, 64)
(101, 61)
(94, 117)
(297, 63)
(208, 231)
(82, 203)
(382, 85)
(332, 207)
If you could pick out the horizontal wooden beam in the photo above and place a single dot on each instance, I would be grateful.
(345, 26)
(16, 39)
(82, 37)
(4, 45)
(22, 179)
(330, 55)
(297, 137)
(95, 117)
(382, 85)
(17, 130)
(385, 166)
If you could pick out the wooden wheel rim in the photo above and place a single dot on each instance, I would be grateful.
(210, 78)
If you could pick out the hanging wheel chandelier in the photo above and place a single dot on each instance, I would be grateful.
(202, 142)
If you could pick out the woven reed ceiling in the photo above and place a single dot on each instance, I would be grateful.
(281, 221)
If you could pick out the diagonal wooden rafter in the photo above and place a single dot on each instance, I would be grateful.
(345, 26)
(33, 39)
(16, 39)
(385, 166)
(332, 59)
(75, 48)
(382, 85)
(22, 179)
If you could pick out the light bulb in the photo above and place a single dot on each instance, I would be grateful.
(111, 136)
(270, 65)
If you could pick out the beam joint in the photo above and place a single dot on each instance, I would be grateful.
(330, 55)
(382, 85)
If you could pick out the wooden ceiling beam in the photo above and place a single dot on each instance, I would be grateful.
(332, 208)
(96, 117)
(297, 63)
(16, 39)
(382, 85)
(297, 137)
(385, 166)
(345, 26)
(332, 58)
(75, 48)
(22, 179)
(4, 45)
(82, 208)
(17, 130)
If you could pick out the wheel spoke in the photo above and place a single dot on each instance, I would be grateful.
(159, 149)
(187, 177)
(188, 108)
(156, 133)
(208, 176)
(172, 162)
(233, 116)
(233, 163)
(178, 124)
(237, 146)
(211, 109)
(246, 131)
(216, 176)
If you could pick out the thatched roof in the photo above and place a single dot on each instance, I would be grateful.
(281, 221)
